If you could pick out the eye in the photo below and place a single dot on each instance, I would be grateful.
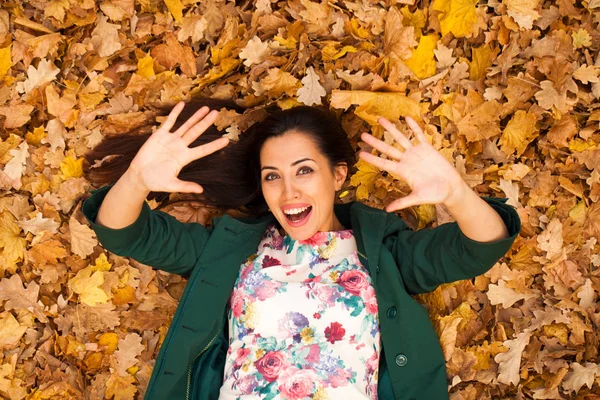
(307, 169)
(270, 177)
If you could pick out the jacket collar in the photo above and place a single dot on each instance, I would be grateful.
(367, 222)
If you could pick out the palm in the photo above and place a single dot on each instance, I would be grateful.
(159, 161)
(431, 177)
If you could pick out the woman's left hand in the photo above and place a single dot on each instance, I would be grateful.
(431, 177)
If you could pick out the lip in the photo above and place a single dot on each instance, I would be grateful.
(300, 223)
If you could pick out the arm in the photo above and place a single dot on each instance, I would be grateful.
(126, 226)
(432, 256)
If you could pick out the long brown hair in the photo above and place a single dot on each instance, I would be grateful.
(231, 176)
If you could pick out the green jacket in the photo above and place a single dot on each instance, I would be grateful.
(401, 262)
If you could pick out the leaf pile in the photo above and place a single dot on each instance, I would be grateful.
(506, 90)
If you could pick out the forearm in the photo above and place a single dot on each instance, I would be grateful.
(477, 219)
(123, 202)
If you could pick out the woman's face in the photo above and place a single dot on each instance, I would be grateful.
(296, 178)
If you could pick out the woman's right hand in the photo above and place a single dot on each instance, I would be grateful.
(159, 161)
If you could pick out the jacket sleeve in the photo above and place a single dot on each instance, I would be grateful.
(155, 238)
(432, 256)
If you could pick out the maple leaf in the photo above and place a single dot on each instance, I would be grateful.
(86, 283)
(276, 83)
(193, 26)
(457, 16)
(364, 179)
(523, 11)
(421, 61)
(45, 73)
(519, 132)
(39, 224)
(11, 331)
(10, 241)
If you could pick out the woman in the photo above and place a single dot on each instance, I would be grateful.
(308, 299)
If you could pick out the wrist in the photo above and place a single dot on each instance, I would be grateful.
(132, 179)
(458, 195)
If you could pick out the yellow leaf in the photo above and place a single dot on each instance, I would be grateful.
(356, 30)
(11, 331)
(426, 214)
(146, 66)
(86, 285)
(5, 60)
(330, 53)
(373, 105)
(109, 339)
(578, 213)
(289, 43)
(176, 9)
(578, 145)
(519, 132)
(71, 167)
(483, 57)
(422, 61)
(558, 331)
(124, 295)
(35, 138)
(364, 179)
(101, 263)
(89, 101)
(457, 16)
(121, 387)
(416, 20)
(581, 38)
(11, 242)
(93, 360)
(225, 66)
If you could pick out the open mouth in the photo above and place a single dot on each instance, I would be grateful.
(298, 219)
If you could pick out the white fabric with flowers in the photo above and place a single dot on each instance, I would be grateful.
(303, 322)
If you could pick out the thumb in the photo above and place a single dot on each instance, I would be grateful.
(187, 187)
(404, 202)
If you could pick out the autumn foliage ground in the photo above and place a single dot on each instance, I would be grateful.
(508, 91)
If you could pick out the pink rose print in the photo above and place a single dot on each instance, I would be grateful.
(313, 354)
(373, 363)
(297, 384)
(317, 239)
(247, 384)
(241, 355)
(370, 300)
(334, 332)
(266, 290)
(326, 294)
(271, 364)
(353, 281)
(238, 304)
(339, 378)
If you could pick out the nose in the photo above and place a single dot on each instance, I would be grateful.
(290, 191)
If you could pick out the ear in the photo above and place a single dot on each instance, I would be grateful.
(339, 173)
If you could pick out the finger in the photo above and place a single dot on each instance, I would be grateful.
(195, 131)
(400, 138)
(198, 115)
(379, 162)
(208, 148)
(404, 202)
(172, 118)
(382, 146)
(412, 124)
(186, 187)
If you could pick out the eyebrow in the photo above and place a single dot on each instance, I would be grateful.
(294, 163)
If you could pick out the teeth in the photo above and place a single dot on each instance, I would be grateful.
(295, 210)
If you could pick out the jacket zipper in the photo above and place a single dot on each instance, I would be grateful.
(363, 256)
(187, 390)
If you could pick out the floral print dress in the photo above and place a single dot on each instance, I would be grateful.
(303, 322)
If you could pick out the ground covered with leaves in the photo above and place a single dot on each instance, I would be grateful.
(506, 90)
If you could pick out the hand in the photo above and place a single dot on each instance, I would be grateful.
(430, 176)
(159, 161)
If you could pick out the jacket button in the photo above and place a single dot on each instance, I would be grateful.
(391, 312)
(401, 360)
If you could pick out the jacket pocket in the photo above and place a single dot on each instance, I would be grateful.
(208, 369)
